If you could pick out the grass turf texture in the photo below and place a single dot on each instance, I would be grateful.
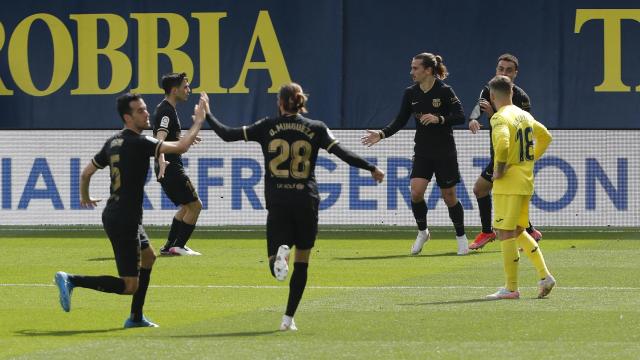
(366, 298)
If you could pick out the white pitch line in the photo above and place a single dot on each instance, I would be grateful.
(444, 287)
(374, 230)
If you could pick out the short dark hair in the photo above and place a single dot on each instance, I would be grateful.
(123, 102)
(509, 57)
(501, 84)
(434, 62)
(294, 100)
(171, 80)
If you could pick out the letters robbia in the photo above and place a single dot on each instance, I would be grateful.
(16, 45)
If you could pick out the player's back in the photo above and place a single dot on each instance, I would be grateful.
(290, 145)
(515, 129)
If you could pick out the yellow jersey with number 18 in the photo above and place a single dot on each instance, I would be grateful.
(518, 140)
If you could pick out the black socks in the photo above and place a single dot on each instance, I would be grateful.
(296, 287)
(138, 298)
(456, 214)
(104, 283)
(420, 214)
(484, 207)
(184, 233)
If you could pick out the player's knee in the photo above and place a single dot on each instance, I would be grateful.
(194, 207)
(477, 191)
(481, 188)
(449, 197)
(130, 287)
(417, 196)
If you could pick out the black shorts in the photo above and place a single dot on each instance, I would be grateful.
(127, 238)
(291, 225)
(487, 173)
(446, 170)
(178, 187)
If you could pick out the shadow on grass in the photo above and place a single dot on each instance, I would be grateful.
(231, 334)
(101, 259)
(32, 332)
(454, 302)
(449, 302)
(406, 256)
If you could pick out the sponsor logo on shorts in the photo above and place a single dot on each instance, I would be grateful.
(498, 220)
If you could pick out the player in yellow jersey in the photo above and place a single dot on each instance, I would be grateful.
(518, 141)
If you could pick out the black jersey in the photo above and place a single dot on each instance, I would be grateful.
(433, 140)
(165, 118)
(290, 145)
(519, 99)
(127, 154)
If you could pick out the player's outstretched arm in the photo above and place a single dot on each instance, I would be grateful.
(357, 161)
(226, 133)
(87, 201)
(371, 137)
(185, 142)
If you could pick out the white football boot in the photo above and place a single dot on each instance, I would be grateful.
(281, 265)
(463, 245)
(421, 239)
(288, 324)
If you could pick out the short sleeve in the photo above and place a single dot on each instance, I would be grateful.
(101, 159)
(163, 120)
(328, 140)
(150, 146)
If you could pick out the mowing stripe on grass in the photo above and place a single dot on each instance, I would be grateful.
(444, 287)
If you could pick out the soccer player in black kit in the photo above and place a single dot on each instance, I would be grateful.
(436, 108)
(127, 154)
(507, 66)
(290, 144)
(175, 182)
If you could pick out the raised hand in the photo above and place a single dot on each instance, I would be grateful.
(205, 97)
(199, 111)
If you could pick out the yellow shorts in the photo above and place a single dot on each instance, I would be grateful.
(510, 211)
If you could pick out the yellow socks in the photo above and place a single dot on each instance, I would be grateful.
(510, 257)
(530, 247)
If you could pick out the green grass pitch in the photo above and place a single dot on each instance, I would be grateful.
(366, 298)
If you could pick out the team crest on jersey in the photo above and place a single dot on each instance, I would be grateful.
(436, 103)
